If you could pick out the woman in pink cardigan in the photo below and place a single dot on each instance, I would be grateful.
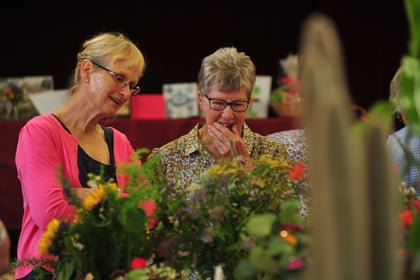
(108, 69)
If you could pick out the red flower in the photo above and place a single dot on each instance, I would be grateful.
(292, 84)
(294, 89)
(407, 218)
(138, 263)
(295, 264)
(149, 207)
(298, 171)
(292, 227)
(417, 205)
(286, 80)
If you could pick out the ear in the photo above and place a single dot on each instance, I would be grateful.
(85, 69)
(252, 99)
(200, 100)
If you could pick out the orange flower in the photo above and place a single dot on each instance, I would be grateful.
(289, 237)
(258, 182)
(298, 171)
(407, 218)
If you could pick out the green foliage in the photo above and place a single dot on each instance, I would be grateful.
(410, 90)
(210, 219)
(410, 74)
(413, 244)
(412, 8)
(381, 112)
(111, 229)
(281, 244)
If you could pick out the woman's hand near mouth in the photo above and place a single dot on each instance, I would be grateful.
(224, 141)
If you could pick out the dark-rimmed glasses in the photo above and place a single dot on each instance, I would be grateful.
(220, 104)
(120, 79)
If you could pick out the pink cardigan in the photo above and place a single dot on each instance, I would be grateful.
(43, 145)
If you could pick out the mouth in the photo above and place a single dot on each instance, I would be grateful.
(229, 126)
(117, 101)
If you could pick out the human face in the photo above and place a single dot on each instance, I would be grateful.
(116, 88)
(120, 79)
(227, 117)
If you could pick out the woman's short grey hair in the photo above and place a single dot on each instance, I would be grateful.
(228, 70)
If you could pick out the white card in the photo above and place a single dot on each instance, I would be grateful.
(180, 100)
(261, 94)
(49, 101)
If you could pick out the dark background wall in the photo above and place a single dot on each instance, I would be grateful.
(40, 39)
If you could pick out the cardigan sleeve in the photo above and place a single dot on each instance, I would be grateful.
(123, 152)
(38, 157)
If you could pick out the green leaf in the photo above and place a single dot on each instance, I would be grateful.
(278, 246)
(132, 218)
(412, 8)
(66, 270)
(413, 243)
(262, 261)
(245, 270)
(381, 112)
(410, 91)
(261, 225)
(136, 274)
(290, 212)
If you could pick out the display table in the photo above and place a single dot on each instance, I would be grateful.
(142, 134)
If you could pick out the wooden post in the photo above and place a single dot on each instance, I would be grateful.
(353, 235)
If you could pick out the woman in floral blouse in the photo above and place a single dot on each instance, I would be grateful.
(225, 83)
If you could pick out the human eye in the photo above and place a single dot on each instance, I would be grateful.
(132, 85)
(218, 103)
(239, 105)
(121, 79)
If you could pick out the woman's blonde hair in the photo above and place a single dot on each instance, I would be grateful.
(109, 49)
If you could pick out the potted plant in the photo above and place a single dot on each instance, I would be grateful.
(286, 99)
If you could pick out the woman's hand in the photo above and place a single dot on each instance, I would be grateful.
(82, 193)
(221, 142)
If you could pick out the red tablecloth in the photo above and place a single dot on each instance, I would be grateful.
(142, 134)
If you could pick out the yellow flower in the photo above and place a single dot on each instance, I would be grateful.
(113, 185)
(94, 198)
(48, 236)
(219, 169)
(89, 276)
(271, 162)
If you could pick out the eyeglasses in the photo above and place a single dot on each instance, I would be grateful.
(121, 80)
(220, 104)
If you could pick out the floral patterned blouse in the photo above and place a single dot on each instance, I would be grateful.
(295, 142)
(185, 158)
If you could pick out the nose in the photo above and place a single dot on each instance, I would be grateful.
(228, 113)
(126, 90)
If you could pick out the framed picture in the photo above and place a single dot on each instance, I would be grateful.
(180, 100)
(14, 95)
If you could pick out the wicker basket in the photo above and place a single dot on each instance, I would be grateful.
(288, 109)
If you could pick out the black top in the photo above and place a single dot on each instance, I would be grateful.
(88, 165)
